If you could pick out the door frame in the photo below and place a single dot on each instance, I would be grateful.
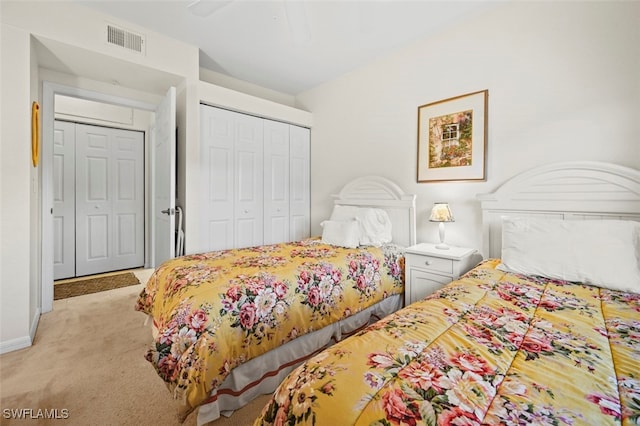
(49, 90)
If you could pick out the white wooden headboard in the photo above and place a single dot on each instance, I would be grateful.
(379, 192)
(575, 190)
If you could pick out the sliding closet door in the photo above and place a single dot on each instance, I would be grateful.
(128, 199)
(300, 183)
(217, 138)
(286, 182)
(232, 175)
(255, 175)
(248, 181)
(109, 199)
(64, 203)
(276, 182)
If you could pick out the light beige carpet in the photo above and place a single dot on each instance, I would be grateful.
(88, 359)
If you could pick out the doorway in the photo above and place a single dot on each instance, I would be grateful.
(98, 199)
(162, 117)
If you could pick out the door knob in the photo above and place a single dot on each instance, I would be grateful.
(168, 211)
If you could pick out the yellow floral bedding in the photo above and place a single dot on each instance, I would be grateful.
(214, 311)
(491, 348)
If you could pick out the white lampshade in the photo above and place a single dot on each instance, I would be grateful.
(441, 213)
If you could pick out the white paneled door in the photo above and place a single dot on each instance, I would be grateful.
(299, 182)
(248, 181)
(163, 179)
(107, 189)
(217, 135)
(232, 165)
(276, 182)
(64, 200)
(255, 177)
(109, 199)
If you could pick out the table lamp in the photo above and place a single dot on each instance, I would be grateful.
(441, 213)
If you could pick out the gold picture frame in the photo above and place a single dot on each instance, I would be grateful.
(452, 138)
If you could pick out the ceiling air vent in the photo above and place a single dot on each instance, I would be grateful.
(124, 38)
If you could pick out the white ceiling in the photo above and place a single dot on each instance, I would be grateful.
(291, 45)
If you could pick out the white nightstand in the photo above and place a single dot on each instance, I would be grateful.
(427, 269)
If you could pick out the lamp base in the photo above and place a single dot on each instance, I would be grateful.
(442, 245)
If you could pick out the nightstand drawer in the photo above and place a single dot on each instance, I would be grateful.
(429, 263)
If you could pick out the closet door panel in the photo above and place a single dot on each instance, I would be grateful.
(217, 136)
(299, 182)
(94, 211)
(276, 182)
(248, 164)
(248, 181)
(109, 199)
(219, 220)
(64, 203)
(248, 213)
(127, 149)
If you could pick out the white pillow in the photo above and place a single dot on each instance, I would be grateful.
(375, 227)
(342, 233)
(605, 253)
(341, 212)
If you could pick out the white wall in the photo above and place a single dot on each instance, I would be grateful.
(34, 218)
(15, 196)
(563, 81)
(223, 80)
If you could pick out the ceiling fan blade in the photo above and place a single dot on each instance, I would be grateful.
(205, 8)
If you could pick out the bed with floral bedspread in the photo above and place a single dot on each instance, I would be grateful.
(214, 311)
(491, 348)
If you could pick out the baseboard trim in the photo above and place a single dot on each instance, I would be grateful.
(24, 341)
(34, 325)
(15, 344)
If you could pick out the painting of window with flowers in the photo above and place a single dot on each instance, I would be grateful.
(452, 138)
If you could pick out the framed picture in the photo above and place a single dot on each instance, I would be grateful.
(452, 138)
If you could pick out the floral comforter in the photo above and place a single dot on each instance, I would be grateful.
(490, 348)
(216, 310)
